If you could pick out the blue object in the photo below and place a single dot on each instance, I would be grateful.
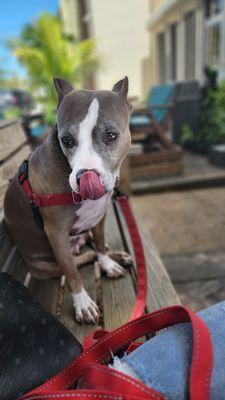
(159, 95)
(163, 362)
(140, 120)
(38, 130)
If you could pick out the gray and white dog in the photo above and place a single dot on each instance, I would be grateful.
(92, 135)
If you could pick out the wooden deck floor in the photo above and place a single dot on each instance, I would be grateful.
(197, 172)
(199, 278)
(188, 228)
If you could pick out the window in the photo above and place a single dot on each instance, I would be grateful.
(173, 49)
(190, 45)
(213, 41)
(161, 57)
(213, 32)
(213, 7)
(84, 19)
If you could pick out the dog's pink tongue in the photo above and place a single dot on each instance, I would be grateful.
(91, 186)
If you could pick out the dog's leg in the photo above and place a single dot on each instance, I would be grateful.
(85, 258)
(85, 308)
(78, 242)
(109, 261)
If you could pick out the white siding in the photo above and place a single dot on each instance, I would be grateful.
(122, 41)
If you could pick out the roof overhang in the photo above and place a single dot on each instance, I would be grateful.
(163, 9)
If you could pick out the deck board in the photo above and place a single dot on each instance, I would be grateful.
(9, 169)
(68, 318)
(12, 136)
(46, 292)
(6, 244)
(197, 172)
(118, 294)
(15, 266)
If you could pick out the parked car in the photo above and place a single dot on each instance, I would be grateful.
(15, 98)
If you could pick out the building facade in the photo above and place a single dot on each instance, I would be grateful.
(185, 37)
(121, 38)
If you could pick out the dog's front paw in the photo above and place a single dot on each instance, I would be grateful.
(85, 308)
(121, 257)
(110, 267)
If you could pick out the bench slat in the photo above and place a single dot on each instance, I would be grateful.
(15, 266)
(46, 292)
(118, 294)
(6, 244)
(68, 318)
(9, 169)
(161, 292)
(11, 136)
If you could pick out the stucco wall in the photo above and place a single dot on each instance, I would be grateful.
(122, 41)
(155, 4)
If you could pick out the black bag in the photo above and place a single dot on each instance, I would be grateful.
(34, 345)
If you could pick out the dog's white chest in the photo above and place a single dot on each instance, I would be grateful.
(91, 212)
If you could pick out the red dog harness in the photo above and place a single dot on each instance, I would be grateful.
(45, 200)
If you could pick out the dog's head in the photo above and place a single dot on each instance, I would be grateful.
(93, 132)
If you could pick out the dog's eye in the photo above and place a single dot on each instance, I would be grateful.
(111, 135)
(68, 141)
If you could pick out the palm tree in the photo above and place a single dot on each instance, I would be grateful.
(45, 52)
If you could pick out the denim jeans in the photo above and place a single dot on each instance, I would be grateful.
(163, 362)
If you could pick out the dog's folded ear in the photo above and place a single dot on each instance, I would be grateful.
(63, 87)
(121, 87)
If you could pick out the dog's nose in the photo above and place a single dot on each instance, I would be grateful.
(82, 171)
(79, 173)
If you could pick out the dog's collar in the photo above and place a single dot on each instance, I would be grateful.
(45, 200)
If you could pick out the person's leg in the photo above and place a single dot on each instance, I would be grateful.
(163, 362)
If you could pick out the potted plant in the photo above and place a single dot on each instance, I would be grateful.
(210, 139)
(217, 155)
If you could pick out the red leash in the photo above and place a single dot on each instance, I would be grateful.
(140, 304)
(108, 384)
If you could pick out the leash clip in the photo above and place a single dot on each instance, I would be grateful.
(75, 202)
(118, 194)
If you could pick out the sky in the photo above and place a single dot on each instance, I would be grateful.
(13, 16)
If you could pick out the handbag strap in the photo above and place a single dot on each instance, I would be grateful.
(120, 338)
(85, 394)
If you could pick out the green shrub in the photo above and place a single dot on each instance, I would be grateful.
(211, 119)
(46, 52)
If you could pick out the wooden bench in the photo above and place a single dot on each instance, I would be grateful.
(114, 297)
